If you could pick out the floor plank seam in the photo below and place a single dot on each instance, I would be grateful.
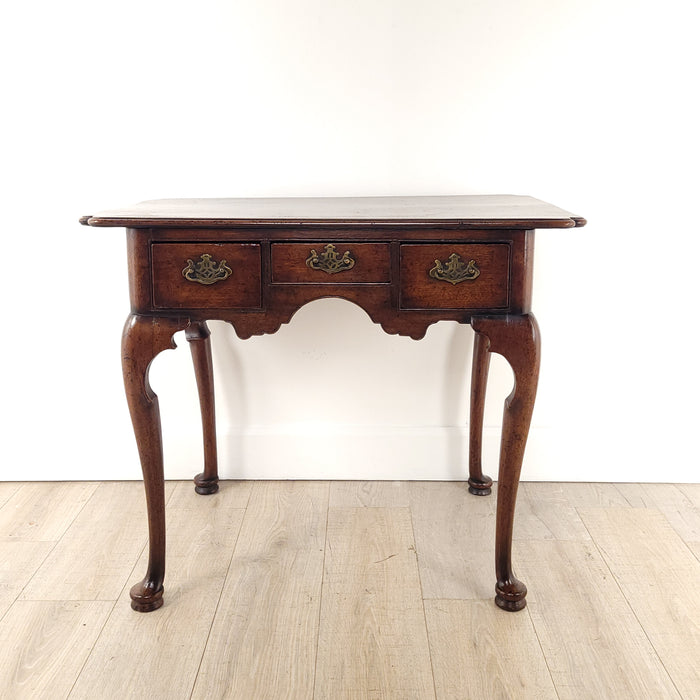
(422, 601)
(604, 559)
(19, 595)
(80, 510)
(218, 600)
(132, 574)
(94, 644)
(320, 597)
(10, 495)
(617, 488)
(544, 656)
(692, 551)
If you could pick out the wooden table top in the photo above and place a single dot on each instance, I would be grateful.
(463, 211)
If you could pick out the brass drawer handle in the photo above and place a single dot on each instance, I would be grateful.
(206, 270)
(455, 270)
(330, 261)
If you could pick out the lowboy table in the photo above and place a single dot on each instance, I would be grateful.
(407, 261)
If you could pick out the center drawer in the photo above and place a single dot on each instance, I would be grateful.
(327, 262)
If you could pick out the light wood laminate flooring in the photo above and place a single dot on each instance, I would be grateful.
(334, 590)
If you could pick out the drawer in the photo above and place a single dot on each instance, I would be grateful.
(455, 276)
(206, 275)
(331, 263)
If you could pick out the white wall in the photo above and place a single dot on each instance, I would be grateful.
(589, 104)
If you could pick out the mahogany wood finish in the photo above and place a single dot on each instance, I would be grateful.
(517, 338)
(144, 337)
(479, 484)
(371, 263)
(461, 211)
(198, 336)
(488, 291)
(171, 290)
(254, 255)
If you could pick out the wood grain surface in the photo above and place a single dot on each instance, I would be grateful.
(372, 638)
(136, 653)
(45, 644)
(36, 512)
(584, 622)
(465, 210)
(311, 590)
(263, 642)
(509, 664)
(658, 575)
(106, 537)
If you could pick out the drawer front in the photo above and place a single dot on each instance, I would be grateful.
(206, 275)
(331, 263)
(455, 276)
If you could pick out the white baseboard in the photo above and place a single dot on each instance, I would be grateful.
(353, 452)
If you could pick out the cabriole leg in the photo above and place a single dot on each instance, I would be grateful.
(144, 337)
(479, 484)
(517, 338)
(198, 336)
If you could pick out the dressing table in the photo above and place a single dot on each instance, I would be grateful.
(407, 261)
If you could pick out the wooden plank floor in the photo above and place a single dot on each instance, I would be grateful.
(333, 590)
